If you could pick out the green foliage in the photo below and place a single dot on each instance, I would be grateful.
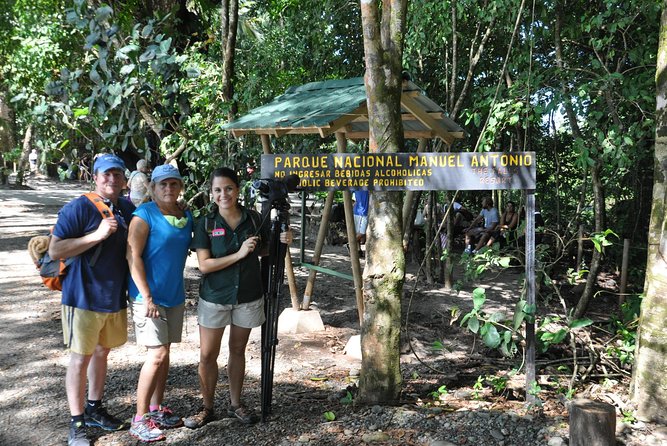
(440, 393)
(600, 239)
(127, 87)
(534, 389)
(438, 346)
(625, 333)
(475, 265)
(551, 331)
(329, 416)
(498, 383)
(12, 156)
(628, 416)
(347, 399)
(478, 387)
(488, 325)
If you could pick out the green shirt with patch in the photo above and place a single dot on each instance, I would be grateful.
(240, 282)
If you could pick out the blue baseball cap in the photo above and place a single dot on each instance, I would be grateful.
(108, 161)
(165, 171)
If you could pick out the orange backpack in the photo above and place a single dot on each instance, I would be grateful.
(51, 270)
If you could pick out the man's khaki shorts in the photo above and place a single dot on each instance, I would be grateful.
(83, 330)
(248, 315)
(163, 330)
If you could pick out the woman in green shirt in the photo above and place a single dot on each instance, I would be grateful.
(228, 242)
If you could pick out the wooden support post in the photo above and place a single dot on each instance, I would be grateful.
(289, 270)
(530, 294)
(624, 271)
(408, 201)
(429, 230)
(409, 210)
(319, 245)
(592, 423)
(341, 143)
(266, 144)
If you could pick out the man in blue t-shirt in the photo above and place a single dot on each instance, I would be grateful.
(360, 211)
(490, 216)
(94, 304)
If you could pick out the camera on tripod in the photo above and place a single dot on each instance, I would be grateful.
(274, 192)
(273, 195)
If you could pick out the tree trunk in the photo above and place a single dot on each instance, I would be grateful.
(449, 266)
(7, 126)
(648, 386)
(591, 280)
(23, 161)
(231, 8)
(598, 188)
(380, 380)
(472, 64)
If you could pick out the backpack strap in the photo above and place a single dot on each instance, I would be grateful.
(99, 203)
(105, 212)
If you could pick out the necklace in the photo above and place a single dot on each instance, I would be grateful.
(171, 210)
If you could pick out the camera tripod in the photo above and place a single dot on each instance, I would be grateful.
(273, 274)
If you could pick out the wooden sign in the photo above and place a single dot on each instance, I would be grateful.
(405, 171)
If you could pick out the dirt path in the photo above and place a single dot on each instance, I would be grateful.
(312, 373)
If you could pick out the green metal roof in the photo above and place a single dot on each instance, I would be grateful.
(340, 106)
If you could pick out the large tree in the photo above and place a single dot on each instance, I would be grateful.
(383, 25)
(650, 385)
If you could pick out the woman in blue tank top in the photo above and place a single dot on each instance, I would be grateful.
(157, 247)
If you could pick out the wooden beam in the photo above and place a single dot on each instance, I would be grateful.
(411, 117)
(357, 134)
(341, 122)
(419, 134)
(238, 133)
(409, 134)
(413, 107)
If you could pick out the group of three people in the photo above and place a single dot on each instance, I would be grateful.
(148, 245)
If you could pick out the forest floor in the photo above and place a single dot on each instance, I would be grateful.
(313, 375)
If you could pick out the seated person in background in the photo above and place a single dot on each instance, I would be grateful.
(506, 230)
(460, 216)
(473, 233)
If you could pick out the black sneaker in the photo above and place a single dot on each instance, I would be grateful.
(77, 435)
(164, 418)
(99, 417)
